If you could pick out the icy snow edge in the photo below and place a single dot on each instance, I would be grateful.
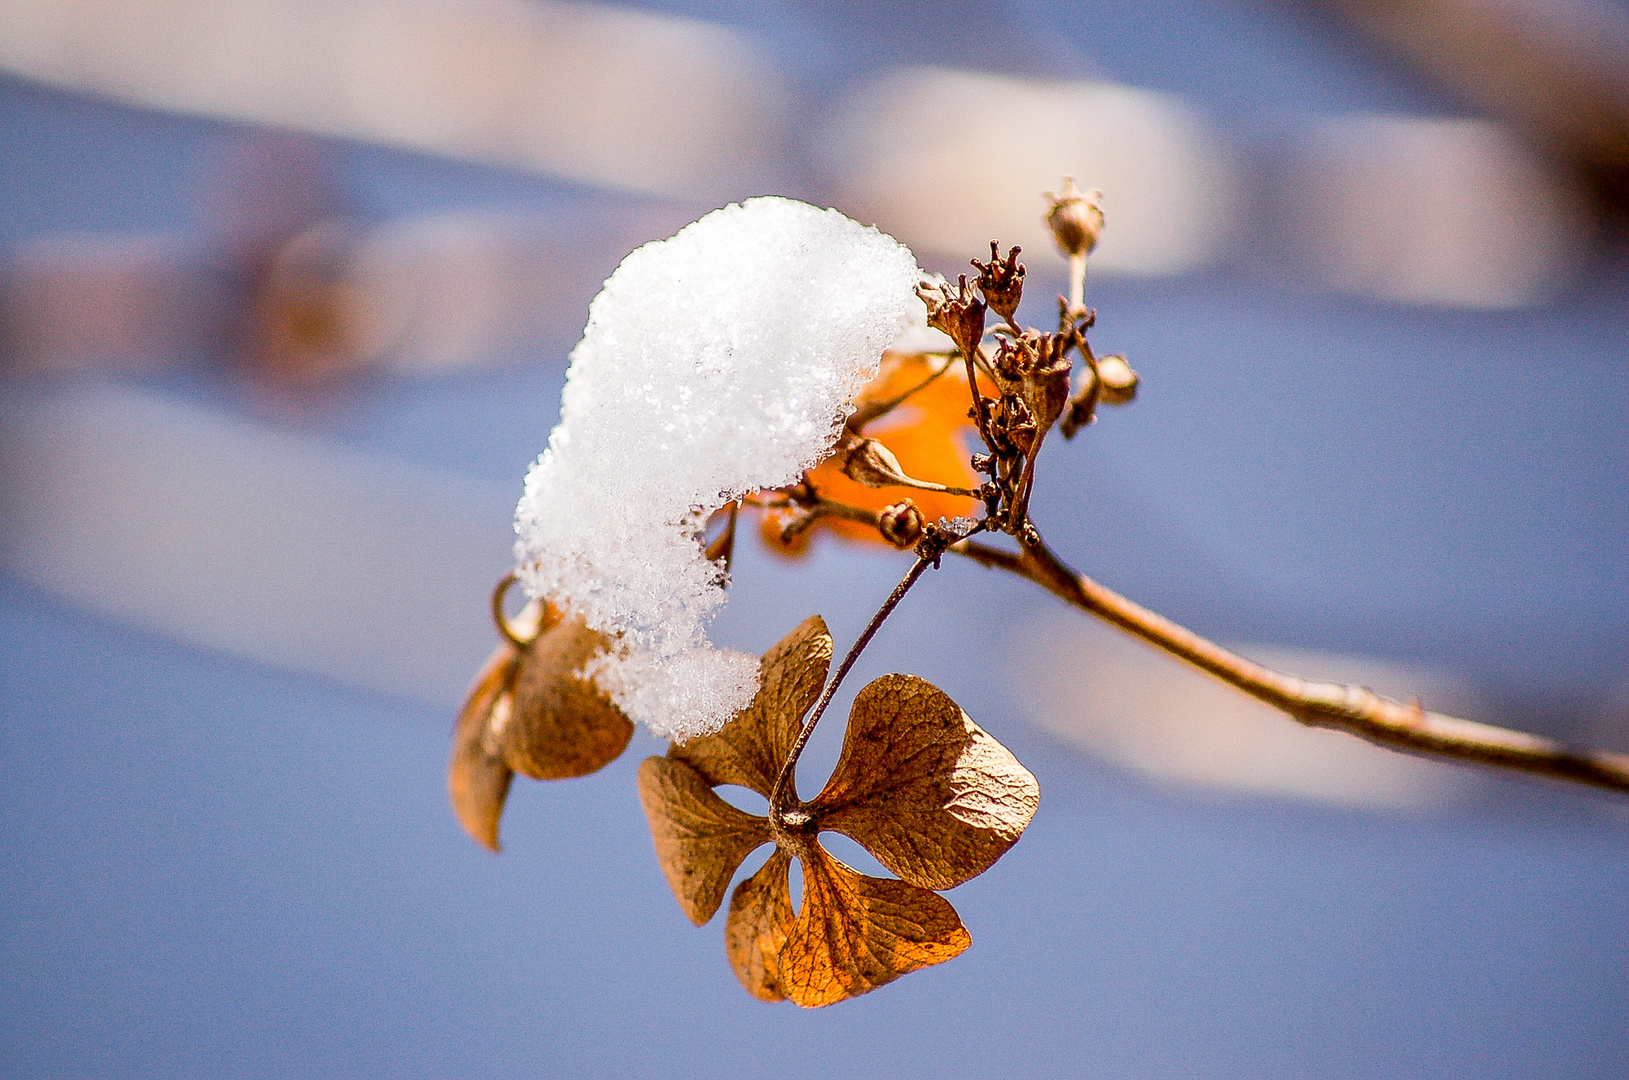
(715, 363)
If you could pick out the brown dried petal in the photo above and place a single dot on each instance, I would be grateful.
(562, 725)
(760, 919)
(700, 839)
(855, 933)
(928, 792)
(749, 750)
(478, 777)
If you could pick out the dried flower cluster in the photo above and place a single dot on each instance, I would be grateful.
(685, 400)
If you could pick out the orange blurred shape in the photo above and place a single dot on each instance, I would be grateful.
(931, 435)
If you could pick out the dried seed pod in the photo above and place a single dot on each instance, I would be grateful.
(957, 311)
(869, 462)
(1045, 383)
(1076, 218)
(902, 524)
(1002, 281)
(1119, 380)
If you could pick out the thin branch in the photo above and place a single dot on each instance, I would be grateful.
(869, 412)
(1318, 704)
(981, 410)
(816, 507)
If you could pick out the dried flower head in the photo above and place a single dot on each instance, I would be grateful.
(919, 785)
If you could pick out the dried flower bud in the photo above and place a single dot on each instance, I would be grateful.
(1119, 381)
(1046, 382)
(871, 463)
(1002, 281)
(1076, 218)
(1010, 360)
(958, 312)
(902, 524)
(1013, 426)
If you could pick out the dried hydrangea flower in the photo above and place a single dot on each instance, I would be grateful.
(920, 786)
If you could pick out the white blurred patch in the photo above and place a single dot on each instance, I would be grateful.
(1458, 213)
(261, 543)
(947, 160)
(630, 100)
(456, 289)
(1120, 700)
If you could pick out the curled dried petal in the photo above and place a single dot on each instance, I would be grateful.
(856, 933)
(561, 725)
(928, 792)
(760, 919)
(700, 839)
(750, 748)
(477, 776)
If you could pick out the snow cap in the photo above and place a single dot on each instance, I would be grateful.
(715, 363)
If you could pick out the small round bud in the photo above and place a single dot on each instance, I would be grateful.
(902, 524)
(1076, 218)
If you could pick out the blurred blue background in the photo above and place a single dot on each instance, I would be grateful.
(287, 294)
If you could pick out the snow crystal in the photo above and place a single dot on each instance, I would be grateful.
(714, 363)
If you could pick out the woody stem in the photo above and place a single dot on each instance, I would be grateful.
(783, 791)
(1350, 709)
(980, 409)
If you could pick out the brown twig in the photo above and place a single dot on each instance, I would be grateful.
(877, 409)
(1318, 704)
